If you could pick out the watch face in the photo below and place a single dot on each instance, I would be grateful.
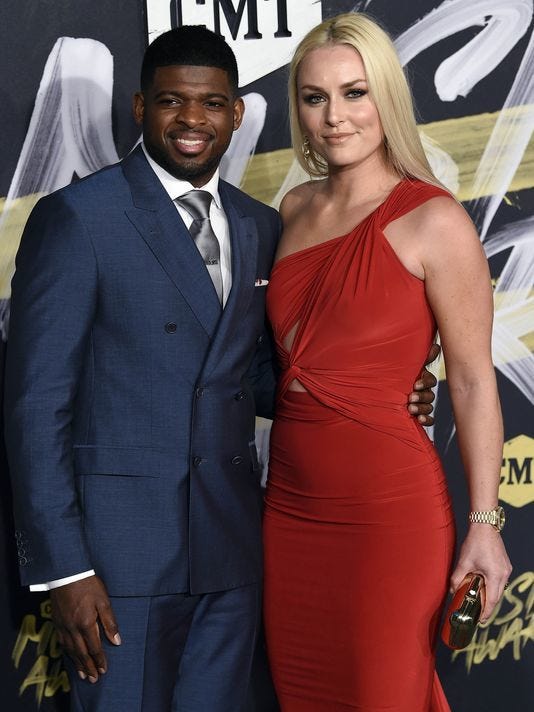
(501, 517)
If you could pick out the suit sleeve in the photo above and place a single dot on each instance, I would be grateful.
(263, 373)
(54, 295)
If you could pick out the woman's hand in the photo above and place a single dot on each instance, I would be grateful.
(483, 552)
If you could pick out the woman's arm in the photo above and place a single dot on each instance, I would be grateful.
(459, 291)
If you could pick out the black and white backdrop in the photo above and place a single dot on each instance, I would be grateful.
(68, 71)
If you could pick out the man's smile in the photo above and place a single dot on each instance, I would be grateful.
(190, 142)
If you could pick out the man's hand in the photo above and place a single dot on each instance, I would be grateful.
(420, 399)
(77, 610)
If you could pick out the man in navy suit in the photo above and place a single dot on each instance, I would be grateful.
(137, 360)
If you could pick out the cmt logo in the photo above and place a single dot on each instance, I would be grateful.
(517, 475)
(262, 33)
(234, 15)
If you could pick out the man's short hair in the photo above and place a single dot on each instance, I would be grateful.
(192, 45)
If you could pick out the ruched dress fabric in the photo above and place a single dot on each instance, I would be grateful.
(359, 531)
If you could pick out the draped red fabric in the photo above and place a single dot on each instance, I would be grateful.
(359, 533)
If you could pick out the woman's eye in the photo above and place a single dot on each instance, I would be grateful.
(313, 99)
(356, 93)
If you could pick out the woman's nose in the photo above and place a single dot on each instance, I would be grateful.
(333, 115)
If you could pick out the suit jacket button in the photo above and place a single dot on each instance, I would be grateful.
(197, 461)
(259, 340)
(170, 327)
(199, 392)
(240, 395)
(237, 460)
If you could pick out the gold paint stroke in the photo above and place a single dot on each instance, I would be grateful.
(510, 626)
(464, 139)
(10, 234)
(46, 675)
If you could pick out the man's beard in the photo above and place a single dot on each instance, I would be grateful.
(188, 170)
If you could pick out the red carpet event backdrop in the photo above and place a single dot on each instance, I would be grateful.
(68, 72)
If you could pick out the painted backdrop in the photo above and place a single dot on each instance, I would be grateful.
(68, 73)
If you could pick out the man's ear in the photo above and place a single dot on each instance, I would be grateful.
(138, 107)
(239, 110)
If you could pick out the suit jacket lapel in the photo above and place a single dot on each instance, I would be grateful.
(244, 243)
(158, 222)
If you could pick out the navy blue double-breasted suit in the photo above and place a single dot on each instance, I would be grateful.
(130, 396)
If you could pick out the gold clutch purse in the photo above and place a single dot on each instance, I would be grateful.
(464, 612)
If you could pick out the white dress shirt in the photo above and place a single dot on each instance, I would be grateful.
(219, 223)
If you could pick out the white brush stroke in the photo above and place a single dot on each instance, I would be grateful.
(507, 144)
(245, 139)
(515, 304)
(503, 23)
(443, 165)
(69, 133)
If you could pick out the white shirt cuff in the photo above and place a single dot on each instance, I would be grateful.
(61, 582)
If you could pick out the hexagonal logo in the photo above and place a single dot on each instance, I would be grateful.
(517, 472)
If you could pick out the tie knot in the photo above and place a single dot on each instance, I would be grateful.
(197, 203)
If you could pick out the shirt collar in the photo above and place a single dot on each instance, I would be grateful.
(176, 187)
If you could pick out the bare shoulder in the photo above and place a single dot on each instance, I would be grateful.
(447, 241)
(436, 233)
(440, 216)
(438, 223)
(295, 211)
(296, 199)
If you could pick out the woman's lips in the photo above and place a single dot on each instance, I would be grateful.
(337, 138)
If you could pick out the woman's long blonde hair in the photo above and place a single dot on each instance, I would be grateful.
(388, 89)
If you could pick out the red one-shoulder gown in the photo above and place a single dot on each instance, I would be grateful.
(359, 532)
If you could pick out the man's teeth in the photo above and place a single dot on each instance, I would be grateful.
(190, 142)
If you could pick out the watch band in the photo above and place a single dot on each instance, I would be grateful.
(495, 517)
(482, 517)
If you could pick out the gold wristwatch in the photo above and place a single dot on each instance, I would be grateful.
(496, 517)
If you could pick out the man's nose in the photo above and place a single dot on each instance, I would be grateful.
(191, 113)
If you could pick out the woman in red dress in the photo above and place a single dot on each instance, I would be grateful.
(375, 256)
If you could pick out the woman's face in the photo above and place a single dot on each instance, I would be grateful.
(336, 112)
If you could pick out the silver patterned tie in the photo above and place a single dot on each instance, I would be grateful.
(197, 203)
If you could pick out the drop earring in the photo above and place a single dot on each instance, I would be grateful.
(306, 148)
